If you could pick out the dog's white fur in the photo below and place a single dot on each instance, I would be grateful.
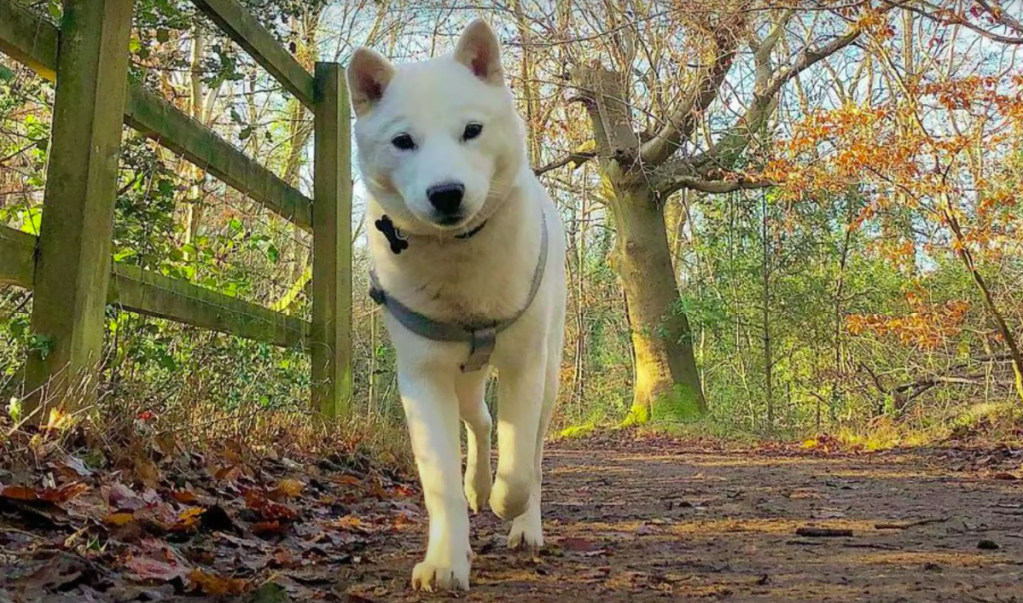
(484, 277)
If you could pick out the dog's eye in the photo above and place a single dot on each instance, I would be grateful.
(472, 131)
(403, 142)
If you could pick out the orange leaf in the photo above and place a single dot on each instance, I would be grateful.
(188, 518)
(230, 473)
(213, 584)
(119, 519)
(19, 493)
(350, 523)
(64, 493)
(265, 528)
(185, 497)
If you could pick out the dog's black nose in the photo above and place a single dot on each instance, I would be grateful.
(446, 197)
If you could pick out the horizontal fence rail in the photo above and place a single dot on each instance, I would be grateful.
(152, 294)
(33, 41)
(78, 207)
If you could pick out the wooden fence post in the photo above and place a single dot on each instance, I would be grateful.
(73, 259)
(332, 239)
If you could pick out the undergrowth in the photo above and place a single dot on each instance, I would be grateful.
(979, 424)
(128, 435)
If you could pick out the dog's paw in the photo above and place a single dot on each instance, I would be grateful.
(526, 532)
(510, 497)
(478, 484)
(431, 576)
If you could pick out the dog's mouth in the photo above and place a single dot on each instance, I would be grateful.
(450, 221)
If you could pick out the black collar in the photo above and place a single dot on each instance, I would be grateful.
(399, 242)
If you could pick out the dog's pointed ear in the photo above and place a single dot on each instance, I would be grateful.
(369, 73)
(479, 50)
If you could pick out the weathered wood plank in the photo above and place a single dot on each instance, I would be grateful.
(164, 123)
(239, 24)
(156, 295)
(73, 262)
(137, 290)
(331, 346)
(28, 39)
(17, 257)
(33, 41)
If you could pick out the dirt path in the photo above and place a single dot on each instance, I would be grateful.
(625, 519)
(658, 523)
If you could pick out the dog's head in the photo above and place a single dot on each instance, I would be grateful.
(439, 142)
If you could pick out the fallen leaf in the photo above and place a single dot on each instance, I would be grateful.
(350, 523)
(76, 465)
(289, 488)
(149, 570)
(147, 471)
(188, 519)
(123, 498)
(266, 528)
(230, 473)
(184, 497)
(119, 519)
(19, 493)
(64, 493)
(269, 510)
(347, 480)
(214, 584)
(577, 545)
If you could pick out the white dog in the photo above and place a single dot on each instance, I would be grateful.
(468, 254)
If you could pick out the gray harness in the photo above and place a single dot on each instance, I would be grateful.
(481, 337)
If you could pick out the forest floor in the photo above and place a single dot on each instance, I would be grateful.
(627, 519)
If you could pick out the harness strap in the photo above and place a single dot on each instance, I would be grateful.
(481, 337)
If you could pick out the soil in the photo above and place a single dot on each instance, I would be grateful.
(657, 522)
(626, 519)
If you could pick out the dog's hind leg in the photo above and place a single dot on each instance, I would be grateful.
(527, 529)
(478, 424)
(432, 412)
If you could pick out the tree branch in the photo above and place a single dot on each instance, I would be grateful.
(576, 158)
(996, 13)
(673, 177)
(680, 124)
(602, 93)
(735, 142)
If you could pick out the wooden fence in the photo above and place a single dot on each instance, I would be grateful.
(69, 266)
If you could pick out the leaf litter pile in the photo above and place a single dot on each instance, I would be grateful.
(227, 525)
(627, 517)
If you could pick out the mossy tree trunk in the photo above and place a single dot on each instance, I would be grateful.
(667, 382)
(641, 169)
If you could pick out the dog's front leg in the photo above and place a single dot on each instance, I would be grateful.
(431, 408)
(519, 404)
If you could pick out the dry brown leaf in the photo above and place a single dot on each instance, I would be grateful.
(64, 493)
(147, 471)
(266, 528)
(291, 488)
(347, 480)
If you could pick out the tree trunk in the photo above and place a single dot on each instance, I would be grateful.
(667, 384)
(766, 313)
(1008, 337)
